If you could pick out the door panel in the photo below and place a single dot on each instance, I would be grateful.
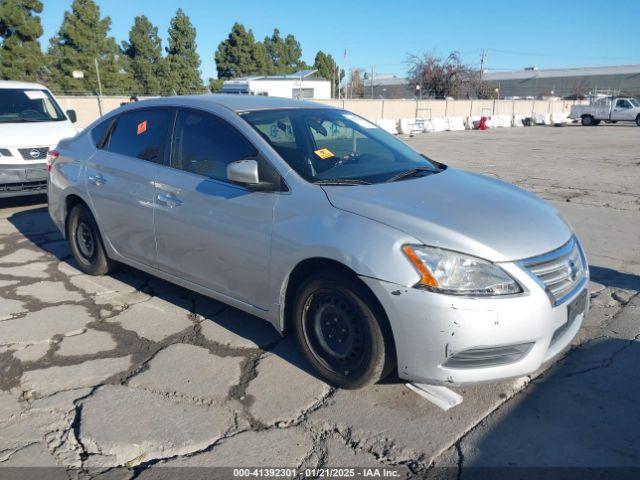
(622, 110)
(122, 192)
(214, 234)
(120, 180)
(209, 231)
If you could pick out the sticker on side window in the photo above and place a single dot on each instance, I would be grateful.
(35, 94)
(324, 153)
(359, 121)
(142, 127)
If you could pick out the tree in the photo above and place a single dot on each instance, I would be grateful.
(144, 53)
(20, 54)
(81, 41)
(327, 69)
(284, 54)
(442, 78)
(240, 55)
(183, 61)
(356, 84)
(215, 84)
(487, 90)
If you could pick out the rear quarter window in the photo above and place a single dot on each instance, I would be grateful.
(99, 131)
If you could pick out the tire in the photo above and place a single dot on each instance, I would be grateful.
(342, 330)
(596, 122)
(86, 242)
(638, 120)
(587, 121)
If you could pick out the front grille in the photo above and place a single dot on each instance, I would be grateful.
(560, 272)
(23, 186)
(35, 153)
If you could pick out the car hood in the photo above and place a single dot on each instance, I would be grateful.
(35, 134)
(460, 211)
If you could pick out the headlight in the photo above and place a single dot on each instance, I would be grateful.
(454, 273)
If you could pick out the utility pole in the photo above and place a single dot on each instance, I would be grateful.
(371, 81)
(483, 59)
(346, 73)
(95, 60)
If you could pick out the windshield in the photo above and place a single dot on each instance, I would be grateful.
(635, 102)
(20, 105)
(333, 146)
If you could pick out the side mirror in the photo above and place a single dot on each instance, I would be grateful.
(71, 114)
(244, 172)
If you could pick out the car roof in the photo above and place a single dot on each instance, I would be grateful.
(28, 85)
(235, 102)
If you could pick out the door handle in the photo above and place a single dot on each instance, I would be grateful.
(168, 200)
(97, 179)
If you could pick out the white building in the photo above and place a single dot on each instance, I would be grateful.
(296, 85)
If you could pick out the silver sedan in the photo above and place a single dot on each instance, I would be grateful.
(374, 256)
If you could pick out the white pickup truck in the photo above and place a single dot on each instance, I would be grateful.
(611, 110)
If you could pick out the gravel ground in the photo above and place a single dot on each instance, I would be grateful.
(131, 372)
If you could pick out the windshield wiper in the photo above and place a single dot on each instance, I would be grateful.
(341, 181)
(409, 173)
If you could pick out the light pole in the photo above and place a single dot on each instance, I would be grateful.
(95, 60)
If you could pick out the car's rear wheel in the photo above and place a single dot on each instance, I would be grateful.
(342, 330)
(587, 120)
(86, 243)
(638, 120)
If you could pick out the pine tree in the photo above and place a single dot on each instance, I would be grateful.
(183, 62)
(284, 53)
(239, 55)
(327, 69)
(20, 54)
(81, 41)
(144, 54)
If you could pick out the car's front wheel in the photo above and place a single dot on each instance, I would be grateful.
(342, 330)
(86, 243)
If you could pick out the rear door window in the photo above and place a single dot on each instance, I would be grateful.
(141, 134)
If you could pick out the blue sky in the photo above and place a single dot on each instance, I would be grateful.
(516, 34)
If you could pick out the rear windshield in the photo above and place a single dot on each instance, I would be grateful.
(325, 145)
(19, 105)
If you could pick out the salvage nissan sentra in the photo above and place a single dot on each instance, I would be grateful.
(375, 257)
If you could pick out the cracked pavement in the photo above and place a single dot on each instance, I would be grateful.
(127, 375)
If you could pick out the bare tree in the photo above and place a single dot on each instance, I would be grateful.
(356, 84)
(443, 77)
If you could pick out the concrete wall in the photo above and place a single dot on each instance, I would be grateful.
(87, 107)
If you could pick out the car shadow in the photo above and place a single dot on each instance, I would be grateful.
(614, 279)
(26, 200)
(579, 420)
(37, 227)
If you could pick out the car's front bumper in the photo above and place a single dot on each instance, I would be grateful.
(431, 329)
(23, 179)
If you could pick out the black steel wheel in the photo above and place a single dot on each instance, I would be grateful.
(342, 330)
(86, 243)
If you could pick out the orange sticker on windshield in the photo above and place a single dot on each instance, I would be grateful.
(142, 127)
(324, 153)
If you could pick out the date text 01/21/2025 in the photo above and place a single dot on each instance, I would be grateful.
(316, 473)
